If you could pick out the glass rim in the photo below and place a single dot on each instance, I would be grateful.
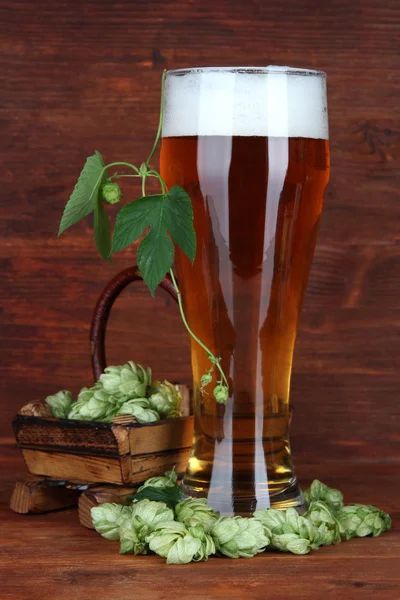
(270, 69)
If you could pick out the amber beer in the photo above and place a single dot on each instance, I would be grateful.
(250, 147)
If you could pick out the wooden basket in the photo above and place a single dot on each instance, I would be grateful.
(120, 453)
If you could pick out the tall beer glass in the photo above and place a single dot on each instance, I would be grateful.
(250, 146)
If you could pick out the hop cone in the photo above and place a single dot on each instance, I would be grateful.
(108, 517)
(319, 491)
(60, 404)
(173, 541)
(111, 192)
(94, 404)
(324, 520)
(140, 409)
(290, 532)
(238, 537)
(207, 547)
(359, 520)
(169, 479)
(128, 380)
(165, 399)
(194, 511)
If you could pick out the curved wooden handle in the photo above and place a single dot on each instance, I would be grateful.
(103, 309)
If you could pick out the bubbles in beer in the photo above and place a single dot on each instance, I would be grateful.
(273, 102)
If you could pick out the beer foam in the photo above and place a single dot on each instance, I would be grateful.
(271, 101)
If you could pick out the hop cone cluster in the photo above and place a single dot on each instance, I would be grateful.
(121, 390)
(189, 530)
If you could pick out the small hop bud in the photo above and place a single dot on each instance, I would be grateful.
(111, 193)
(221, 394)
(205, 379)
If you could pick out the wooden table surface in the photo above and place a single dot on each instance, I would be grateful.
(52, 557)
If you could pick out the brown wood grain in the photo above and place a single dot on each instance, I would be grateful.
(33, 497)
(78, 76)
(53, 556)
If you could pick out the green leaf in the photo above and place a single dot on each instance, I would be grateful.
(180, 216)
(102, 230)
(83, 198)
(170, 495)
(164, 213)
(155, 256)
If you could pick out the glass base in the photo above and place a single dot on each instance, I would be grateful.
(229, 504)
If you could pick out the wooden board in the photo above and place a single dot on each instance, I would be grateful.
(53, 556)
(76, 76)
(34, 497)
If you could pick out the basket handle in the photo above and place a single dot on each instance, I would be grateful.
(103, 309)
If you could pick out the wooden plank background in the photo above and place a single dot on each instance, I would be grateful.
(79, 75)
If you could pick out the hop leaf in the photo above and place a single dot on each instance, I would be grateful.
(359, 520)
(129, 380)
(238, 537)
(194, 511)
(108, 517)
(60, 404)
(170, 495)
(165, 399)
(164, 213)
(85, 195)
(323, 519)
(319, 491)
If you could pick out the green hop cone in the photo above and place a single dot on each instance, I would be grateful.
(207, 547)
(205, 379)
(108, 517)
(319, 491)
(128, 380)
(130, 541)
(175, 543)
(140, 409)
(165, 399)
(290, 542)
(194, 511)
(143, 518)
(146, 515)
(221, 394)
(238, 537)
(272, 518)
(169, 479)
(94, 404)
(290, 532)
(111, 192)
(60, 404)
(359, 520)
(324, 520)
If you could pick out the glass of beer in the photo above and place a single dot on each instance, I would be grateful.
(250, 146)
